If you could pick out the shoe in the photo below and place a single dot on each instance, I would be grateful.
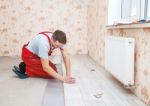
(21, 76)
(22, 67)
(17, 69)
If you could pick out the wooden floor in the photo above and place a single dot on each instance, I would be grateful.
(96, 88)
(54, 91)
(93, 88)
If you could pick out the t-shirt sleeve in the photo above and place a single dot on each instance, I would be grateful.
(43, 49)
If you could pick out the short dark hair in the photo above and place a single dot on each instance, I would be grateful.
(59, 36)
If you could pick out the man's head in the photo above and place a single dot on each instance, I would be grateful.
(59, 38)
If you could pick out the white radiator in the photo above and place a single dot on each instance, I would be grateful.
(119, 58)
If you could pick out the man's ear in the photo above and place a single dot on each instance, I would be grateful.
(57, 41)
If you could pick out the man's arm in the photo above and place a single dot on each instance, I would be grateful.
(51, 72)
(67, 62)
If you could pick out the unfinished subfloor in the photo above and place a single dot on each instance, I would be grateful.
(94, 87)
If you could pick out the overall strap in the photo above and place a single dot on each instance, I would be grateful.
(44, 33)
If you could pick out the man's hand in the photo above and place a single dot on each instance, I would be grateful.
(69, 80)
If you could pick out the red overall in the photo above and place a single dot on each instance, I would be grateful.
(33, 63)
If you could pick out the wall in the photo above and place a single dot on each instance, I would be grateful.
(97, 19)
(21, 20)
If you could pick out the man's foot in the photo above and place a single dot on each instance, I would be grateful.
(19, 74)
(18, 69)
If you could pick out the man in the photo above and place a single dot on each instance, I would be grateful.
(35, 57)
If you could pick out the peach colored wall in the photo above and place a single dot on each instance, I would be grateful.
(97, 19)
(22, 19)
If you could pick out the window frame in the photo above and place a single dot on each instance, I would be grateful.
(135, 17)
(141, 12)
(145, 9)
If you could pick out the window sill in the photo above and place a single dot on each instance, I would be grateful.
(129, 26)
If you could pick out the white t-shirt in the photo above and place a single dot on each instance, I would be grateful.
(40, 46)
